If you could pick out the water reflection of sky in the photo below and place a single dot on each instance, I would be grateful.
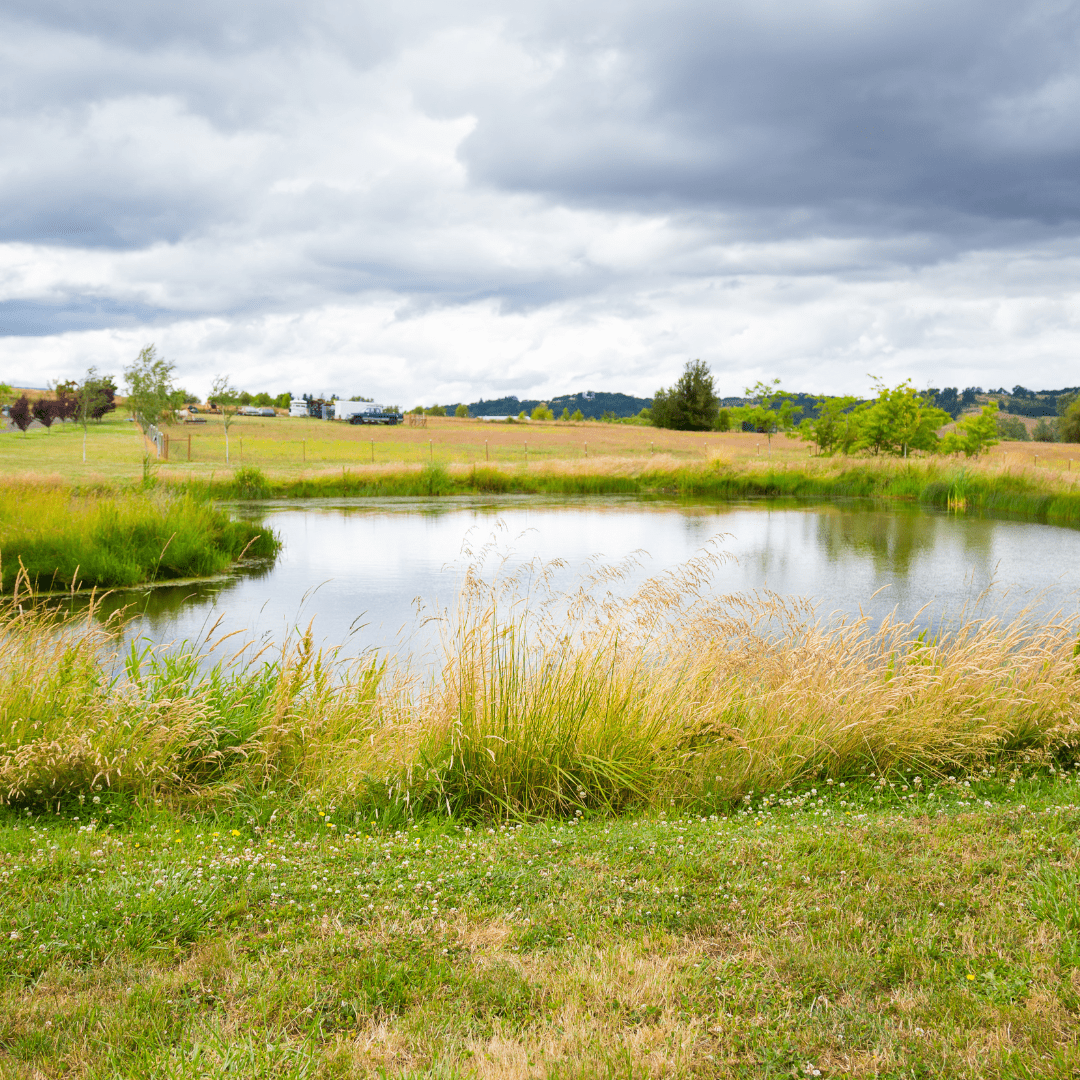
(360, 569)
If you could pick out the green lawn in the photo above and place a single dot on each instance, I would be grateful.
(897, 931)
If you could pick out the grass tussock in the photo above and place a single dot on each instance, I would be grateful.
(54, 538)
(547, 703)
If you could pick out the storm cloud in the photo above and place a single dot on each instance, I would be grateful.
(433, 202)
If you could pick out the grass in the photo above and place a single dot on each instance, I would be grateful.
(546, 703)
(300, 450)
(934, 482)
(653, 837)
(53, 538)
(863, 929)
(673, 835)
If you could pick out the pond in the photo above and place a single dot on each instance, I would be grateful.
(366, 572)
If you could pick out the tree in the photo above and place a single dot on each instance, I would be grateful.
(151, 396)
(723, 419)
(565, 413)
(1045, 431)
(282, 401)
(435, 410)
(973, 434)
(462, 411)
(45, 412)
(225, 398)
(1012, 428)
(899, 420)
(832, 428)
(93, 398)
(577, 415)
(21, 413)
(691, 404)
(771, 409)
(542, 412)
(1069, 422)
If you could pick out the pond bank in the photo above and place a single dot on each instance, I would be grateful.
(53, 538)
(1032, 494)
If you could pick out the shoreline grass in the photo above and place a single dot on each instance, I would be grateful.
(52, 538)
(1052, 498)
(543, 703)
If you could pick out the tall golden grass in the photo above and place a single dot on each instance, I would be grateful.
(545, 702)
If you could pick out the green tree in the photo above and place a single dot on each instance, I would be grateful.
(462, 411)
(974, 433)
(770, 410)
(565, 414)
(1046, 430)
(224, 397)
(691, 404)
(151, 396)
(898, 420)
(1069, 421)
(282, 401)
(832, 428)
(1012, 428)
(91, 394)
(578, 415)
(542, 412)
(435, 410)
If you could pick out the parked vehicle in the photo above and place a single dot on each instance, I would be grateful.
(365, 412)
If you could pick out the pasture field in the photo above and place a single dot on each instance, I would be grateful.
(290, 448)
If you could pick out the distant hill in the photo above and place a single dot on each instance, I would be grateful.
(593, 405)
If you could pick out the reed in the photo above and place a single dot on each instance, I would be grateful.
(546, 703)
(52, 538)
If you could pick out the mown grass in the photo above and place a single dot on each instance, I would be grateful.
(868, 928)
(52, 538)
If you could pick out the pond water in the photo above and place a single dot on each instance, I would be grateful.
(362, 570)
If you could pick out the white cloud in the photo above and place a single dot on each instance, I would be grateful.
(439, 203)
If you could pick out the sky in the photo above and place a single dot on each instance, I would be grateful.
(430, 202)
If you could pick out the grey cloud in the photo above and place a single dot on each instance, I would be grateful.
(584, 165)
(890, 116)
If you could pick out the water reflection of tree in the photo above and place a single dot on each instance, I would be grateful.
(891, 539)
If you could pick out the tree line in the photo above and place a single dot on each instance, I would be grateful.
(895, 421)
